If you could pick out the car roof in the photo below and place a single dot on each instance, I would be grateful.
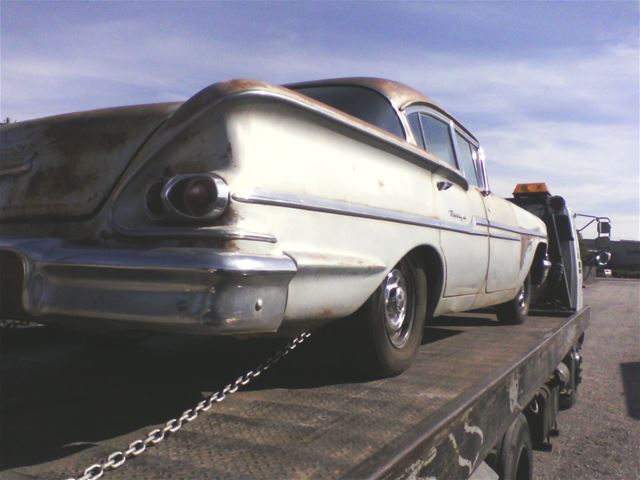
(398, 94)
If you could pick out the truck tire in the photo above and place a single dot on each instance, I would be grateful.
(569, 393)
(515, 459)
(514, 312)
(390, 324)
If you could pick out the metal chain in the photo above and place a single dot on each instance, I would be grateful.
(18, 324)
(135, 448)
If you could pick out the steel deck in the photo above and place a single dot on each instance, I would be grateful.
(66, 404)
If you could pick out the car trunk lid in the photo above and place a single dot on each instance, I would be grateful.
(65, 166)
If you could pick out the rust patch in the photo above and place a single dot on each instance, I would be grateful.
(79, 158)
(231, 246)
(326, 313)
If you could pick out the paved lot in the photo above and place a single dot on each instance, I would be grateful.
(65, 403)
(600, 435)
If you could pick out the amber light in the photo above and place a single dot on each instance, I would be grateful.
(531, 188)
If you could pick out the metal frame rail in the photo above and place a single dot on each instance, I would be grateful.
(456, 439)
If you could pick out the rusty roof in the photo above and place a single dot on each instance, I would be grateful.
(399, 95)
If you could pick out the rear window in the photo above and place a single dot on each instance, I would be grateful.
(359, 102)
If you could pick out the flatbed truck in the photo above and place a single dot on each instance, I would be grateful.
(478, 398)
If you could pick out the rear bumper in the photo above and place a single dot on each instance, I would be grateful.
(195, 290)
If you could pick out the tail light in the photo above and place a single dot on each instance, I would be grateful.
(188, 197)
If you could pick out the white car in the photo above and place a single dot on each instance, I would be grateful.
(253, 209)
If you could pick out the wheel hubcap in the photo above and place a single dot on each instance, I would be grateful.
(521, 298)
(397, 322)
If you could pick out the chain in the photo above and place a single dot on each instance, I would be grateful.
(18, 324)
(135, 448)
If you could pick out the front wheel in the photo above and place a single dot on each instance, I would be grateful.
(515, 311)
(389, 325)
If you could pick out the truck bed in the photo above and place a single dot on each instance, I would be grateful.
(66, 404)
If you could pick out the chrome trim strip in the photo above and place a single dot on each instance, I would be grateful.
(518, 230)
(500, 237)
(18, 169)
(353, 209)
(223, 233)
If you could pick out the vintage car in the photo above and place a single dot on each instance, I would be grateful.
(253, 209)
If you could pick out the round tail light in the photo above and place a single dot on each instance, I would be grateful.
(196, 196)
(200, 196)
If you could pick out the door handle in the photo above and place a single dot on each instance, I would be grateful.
(444, 185)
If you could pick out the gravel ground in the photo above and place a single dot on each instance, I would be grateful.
(600, 435)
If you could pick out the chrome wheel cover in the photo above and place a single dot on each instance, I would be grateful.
(398, 320)
(521, 299)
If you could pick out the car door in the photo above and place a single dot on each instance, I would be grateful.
(504, 244)
(463, 240)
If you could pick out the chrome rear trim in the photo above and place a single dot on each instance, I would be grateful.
(354, 210)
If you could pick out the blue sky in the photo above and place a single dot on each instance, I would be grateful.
(550, 89)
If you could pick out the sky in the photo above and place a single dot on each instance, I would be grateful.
(551, 89)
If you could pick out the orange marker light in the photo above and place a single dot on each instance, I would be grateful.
(524, 188)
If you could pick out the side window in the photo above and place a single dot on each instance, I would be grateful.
(467, 151)
(437, 137)
(414, 123)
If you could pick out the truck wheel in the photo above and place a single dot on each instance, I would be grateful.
(515, 311)
(391, 322)
(569, 393)
(515, 460)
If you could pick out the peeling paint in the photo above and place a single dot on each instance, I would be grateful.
(473, 429)
(514, 406)
(463, 462)
(414, 471)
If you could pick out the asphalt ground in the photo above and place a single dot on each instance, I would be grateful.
(65, 403)
(600, 436)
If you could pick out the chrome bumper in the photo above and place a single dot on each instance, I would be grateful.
(178, 289)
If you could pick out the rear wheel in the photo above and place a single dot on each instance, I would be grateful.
(569, 393)
(515, 459)
(388, 327)
(515, 311)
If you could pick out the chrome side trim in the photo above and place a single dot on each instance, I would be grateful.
(18, 169)
(500, 237)
(218, 232)
(512, 229)
(317, 204)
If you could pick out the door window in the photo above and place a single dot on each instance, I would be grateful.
(466, 153)
(437, 138)
(414, 123)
